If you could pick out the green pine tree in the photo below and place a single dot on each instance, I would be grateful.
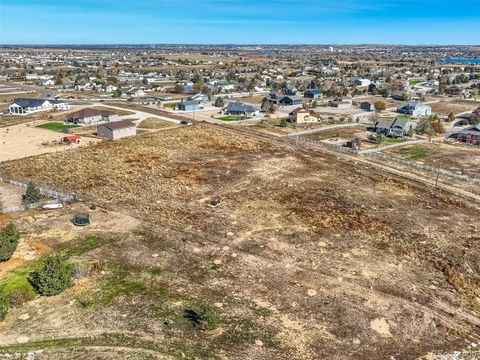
(32, 195)
(3, 305)
(52, 277)
(9, 238)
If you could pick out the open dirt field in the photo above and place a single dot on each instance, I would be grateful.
(307, 257)
(454, 157)
(446, 107)
(24, 140)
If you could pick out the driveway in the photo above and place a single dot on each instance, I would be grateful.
(137, 115)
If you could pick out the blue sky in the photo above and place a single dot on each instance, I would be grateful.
(240, 21)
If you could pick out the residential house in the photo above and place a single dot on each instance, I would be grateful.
(362, 82)
(367, 106)
(88, 116)
(274, 98)
(469, 135)
(290, 100)
(135, 92)
(290, 90)
(393, 127)
(302, 116)
(199, 97)
(189, 105)
(27, 106)
(415, 109)
(312, 93)
(241, 109)
(340, 103)
(117, 130)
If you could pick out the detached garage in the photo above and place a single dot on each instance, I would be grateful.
(117, 130)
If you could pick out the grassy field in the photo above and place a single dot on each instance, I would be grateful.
(154, 123)
(56, 126)
(415, 153)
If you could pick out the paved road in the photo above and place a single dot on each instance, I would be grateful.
(139, 116)
(44, 93)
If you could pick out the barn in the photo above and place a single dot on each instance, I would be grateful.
(117, 130)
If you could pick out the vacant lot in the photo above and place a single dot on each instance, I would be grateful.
(24, 140)
(447, 107)
(307, 256)
(154, 123)
(454, 157)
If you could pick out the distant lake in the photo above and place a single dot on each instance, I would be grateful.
(459, 60)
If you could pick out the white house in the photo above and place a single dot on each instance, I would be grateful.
(27, 106)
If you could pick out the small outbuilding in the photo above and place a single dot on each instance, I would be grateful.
(117, 130)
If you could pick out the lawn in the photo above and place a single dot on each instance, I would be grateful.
(233, 118)
(394, 141)
(415, 153)
(17, 279)
(171, 105)
(414, 82)
(56, 126)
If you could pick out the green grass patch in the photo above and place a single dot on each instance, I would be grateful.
(340, 122)
(156, 271)
(403, 116)
(56, 126)
(415, 153)
(394, 141)
(233, 118)
(120, 282)
(16, 280)
(414, 82)
(171, 105)
(82, 245)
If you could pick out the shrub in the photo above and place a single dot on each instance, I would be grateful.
(380, 105)
(3, 305)
(18, 297)
(205, 318)
(9, 238)
(52, 277)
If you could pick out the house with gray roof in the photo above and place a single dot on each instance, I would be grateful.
(393, 127)
(240, 109)
(23, 106)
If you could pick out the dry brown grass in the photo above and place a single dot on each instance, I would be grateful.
(303, 253)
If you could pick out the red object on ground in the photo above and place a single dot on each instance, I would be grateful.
(71, 139)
